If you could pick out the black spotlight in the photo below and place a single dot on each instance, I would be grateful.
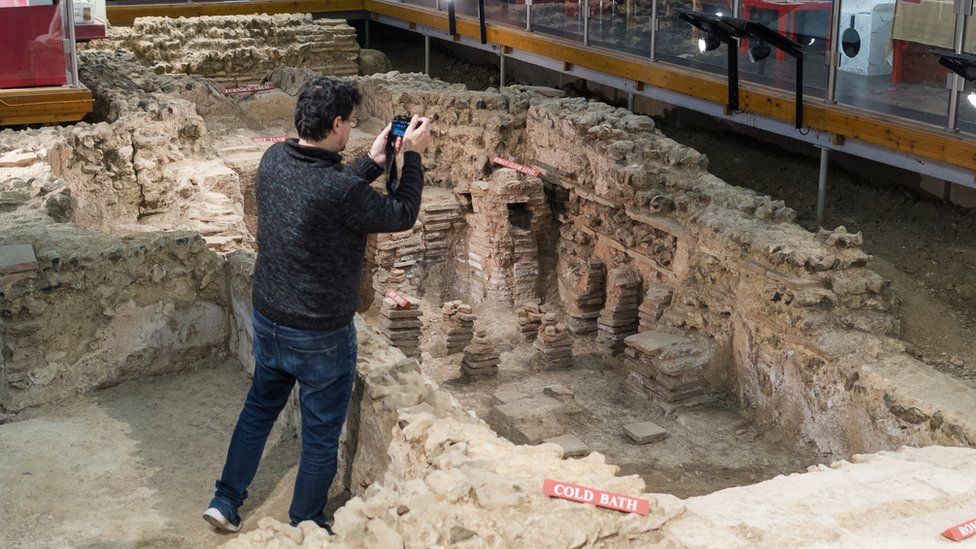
(964, 65)
(758, 51)
(710, 42)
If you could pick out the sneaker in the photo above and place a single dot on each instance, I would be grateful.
(220, 522)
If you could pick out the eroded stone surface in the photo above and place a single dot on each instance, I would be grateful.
(238, 49)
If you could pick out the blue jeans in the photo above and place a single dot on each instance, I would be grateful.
(324, 364)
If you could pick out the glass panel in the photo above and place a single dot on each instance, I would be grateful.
(967, 98)
(806, 22)
(31, 47)
(560, 18)
(511, 12)
(424, 3)
(623, 25)
(677, 41)
(886, 62)
(467, 8)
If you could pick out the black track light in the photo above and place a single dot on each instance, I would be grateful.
(710, 42)
(758, 51)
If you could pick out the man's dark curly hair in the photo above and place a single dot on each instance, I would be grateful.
(320, 101)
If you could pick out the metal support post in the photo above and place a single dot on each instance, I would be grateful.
(822, 186)
(528, 15)
(833, 56)
(586, 22)
(427, 54)
(962, 9)
(69, 19)
(366, 33)
(654, 24)
(501, 65)
(630, 101)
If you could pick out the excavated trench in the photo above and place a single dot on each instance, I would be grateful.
(623, 286)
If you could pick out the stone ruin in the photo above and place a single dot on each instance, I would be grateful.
(238, 50)
(134, 234)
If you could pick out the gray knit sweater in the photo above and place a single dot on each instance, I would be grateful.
(313, 218)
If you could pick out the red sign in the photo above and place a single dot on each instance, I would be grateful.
(962, 531)
(275, 139)
(618, 502)
(247, 89)
(534, 172)
(398, 297)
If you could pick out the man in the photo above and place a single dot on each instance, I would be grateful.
(313, 218)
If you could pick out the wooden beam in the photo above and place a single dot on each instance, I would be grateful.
(125, 15)
(907, 136)
(43, 105)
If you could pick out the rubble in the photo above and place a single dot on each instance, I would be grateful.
(401, 327)
(457, 325)
(480, 357)
(529, 318)
(554, 344)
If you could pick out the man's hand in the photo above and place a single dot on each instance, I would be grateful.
(378, 151)
(417, 136)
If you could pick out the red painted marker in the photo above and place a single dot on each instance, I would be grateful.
(247, 89)
(962, 531)
(398, 297)
(534, 172)
(581, 494)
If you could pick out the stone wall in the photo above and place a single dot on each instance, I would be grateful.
(793, 323)
(96, 310)
(237, 50)
(424, 473)
(803, 318)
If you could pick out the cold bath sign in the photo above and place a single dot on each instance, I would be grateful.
(596, 497)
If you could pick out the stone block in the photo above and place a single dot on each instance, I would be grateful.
(645, 432)
(528, 420)
(571, 444)
(651, 342)
(17, 258)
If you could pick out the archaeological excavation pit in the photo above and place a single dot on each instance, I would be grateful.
(617, 317)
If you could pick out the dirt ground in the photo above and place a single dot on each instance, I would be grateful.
(708, 448)
(131, 466)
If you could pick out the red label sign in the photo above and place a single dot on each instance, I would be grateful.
(275, 139)
(247, 89)
(534, 172)
(398, 297)
(962, 531)
(618, 502)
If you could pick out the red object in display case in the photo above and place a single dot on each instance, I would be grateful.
(31, 47)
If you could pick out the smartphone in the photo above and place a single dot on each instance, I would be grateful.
(399, 127)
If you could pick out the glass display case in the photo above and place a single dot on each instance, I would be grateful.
(680, 43)
(35, 45)
(622, 25)
(887, 63)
